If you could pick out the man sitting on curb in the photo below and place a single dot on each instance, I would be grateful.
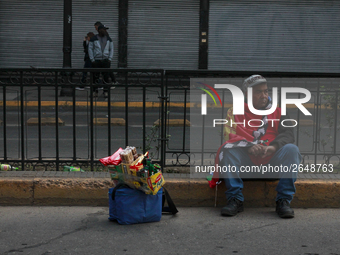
(270, 145)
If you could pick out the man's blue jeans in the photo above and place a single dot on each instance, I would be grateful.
(286, 156)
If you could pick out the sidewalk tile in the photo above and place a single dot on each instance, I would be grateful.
(61, 174)
(40, 174)
(2, 174)
(169, 175)
(81, 175)
(88, 174)
(308, 176)
(48, 174)
(96, 174)
(29, 174)
(334, 176)
(325, 176)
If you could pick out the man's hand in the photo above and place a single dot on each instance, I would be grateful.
(256, 150)
(263, 151)
(269, 150)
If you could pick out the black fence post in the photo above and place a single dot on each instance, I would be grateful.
(163, 119)
(203, 37)
(67, 45)
(67, 40)
(4, 121)
(56, 112)
(22, 120)
(122, 33)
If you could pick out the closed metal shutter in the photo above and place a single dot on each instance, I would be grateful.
(31, 33)
(163, 34)
(274, 35)
(85, 13)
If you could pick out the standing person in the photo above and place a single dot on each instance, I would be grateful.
(96, 25)
(87, 61)
(101, 54)
(112, 76)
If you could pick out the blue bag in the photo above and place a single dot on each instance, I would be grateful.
(130, 206)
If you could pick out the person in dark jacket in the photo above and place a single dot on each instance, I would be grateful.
(101, 53)
(111, 74)
(258, 144)
(87, 61)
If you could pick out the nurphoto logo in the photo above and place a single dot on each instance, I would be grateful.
(238, 99)
(238, 103)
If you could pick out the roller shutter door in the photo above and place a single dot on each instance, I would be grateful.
(163, 34)
(31, 33)
(274, 35)
(85, 13)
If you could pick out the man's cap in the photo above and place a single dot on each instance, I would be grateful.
(252, 81)
(98, 23)
(102, 26)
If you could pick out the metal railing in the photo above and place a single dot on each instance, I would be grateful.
(317, 136)
(50, 118)
(48, 122)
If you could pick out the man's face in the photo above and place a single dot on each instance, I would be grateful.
(96, 27)
(260, 96)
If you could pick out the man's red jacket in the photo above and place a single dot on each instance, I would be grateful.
(274, 134)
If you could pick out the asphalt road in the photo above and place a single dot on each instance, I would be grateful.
(82, 129)
(86, 230)
(179, 136)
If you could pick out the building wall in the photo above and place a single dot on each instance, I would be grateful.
(274, 35)
(242, 35)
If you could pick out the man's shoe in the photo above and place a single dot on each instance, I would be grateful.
(233, 207)
(283, 209)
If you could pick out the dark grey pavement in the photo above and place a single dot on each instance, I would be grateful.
(86, 230)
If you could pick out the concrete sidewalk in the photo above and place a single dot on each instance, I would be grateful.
(91, 188)
(86, 230)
